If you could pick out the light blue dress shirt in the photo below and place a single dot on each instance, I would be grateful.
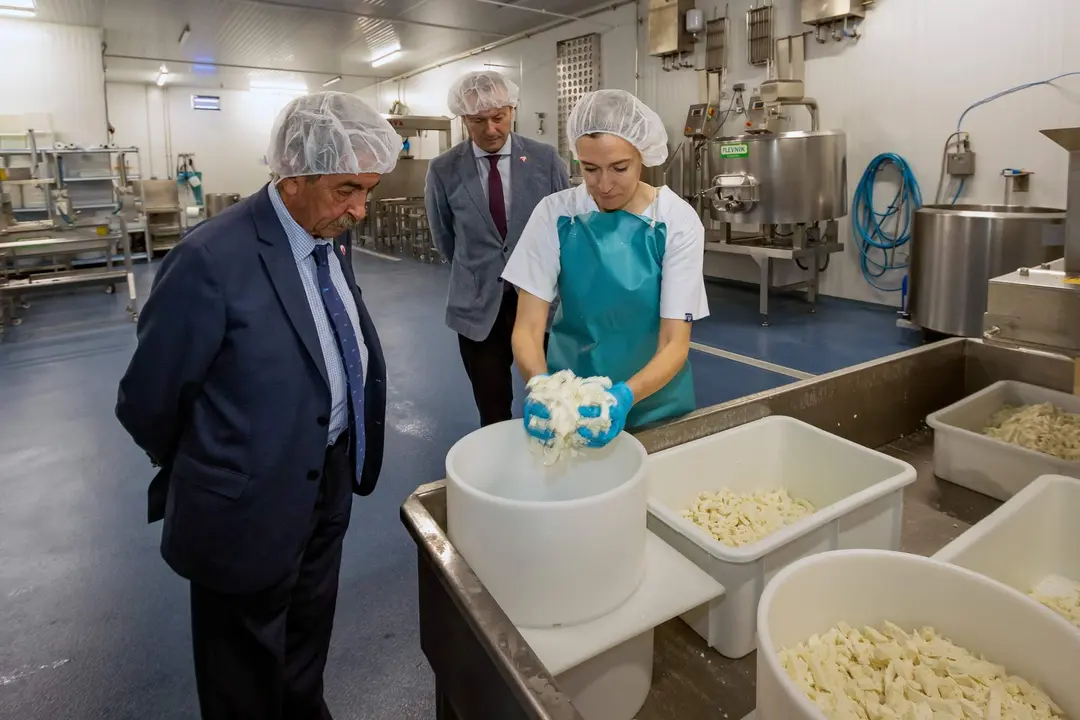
(484, 166)
(303, 245)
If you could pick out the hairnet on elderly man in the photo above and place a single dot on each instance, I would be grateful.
(625, 260)
(258, 390)
(479, 195)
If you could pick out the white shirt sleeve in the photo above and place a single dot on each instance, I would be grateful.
(682, 284)
(534, 265)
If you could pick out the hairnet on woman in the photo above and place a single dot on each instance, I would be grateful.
(625, 259)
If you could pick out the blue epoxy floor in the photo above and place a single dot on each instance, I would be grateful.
(92, 623)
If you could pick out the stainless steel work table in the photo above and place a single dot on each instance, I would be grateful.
(484, 670)
(67, 244)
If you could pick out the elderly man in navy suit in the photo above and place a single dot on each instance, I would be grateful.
(258, 387)
(479, 196)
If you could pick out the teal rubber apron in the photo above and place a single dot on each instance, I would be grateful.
(608, 322)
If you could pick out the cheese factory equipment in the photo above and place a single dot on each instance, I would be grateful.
(957, 249)
(1039, 307)
(485, 667)
(777, 191)
(597, 582)
(976, 613)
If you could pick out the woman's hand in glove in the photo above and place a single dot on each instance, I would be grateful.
(539, 411)
(624, 401)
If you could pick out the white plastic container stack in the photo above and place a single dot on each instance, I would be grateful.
(868, 587)
(553, 545)
(1031, 537)
(964, 456)
(858, 494)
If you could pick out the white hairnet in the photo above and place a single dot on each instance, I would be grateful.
(331, 133)
(619, 113)
(477, 92)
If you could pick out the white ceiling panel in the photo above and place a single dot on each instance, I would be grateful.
(312, 40)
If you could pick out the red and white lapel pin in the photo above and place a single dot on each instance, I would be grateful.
(342, 248)
(522, 158)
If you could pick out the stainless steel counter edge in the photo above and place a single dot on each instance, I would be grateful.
(529, 681)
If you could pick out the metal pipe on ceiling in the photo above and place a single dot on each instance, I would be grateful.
(541, 11)
(234, 66)
(370, 16)
(584, 15)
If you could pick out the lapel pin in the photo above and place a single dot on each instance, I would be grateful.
(342, 248)
(522, 158)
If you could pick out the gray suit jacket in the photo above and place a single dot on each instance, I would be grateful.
(465, 234)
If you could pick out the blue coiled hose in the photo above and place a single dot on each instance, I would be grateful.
(877, 245)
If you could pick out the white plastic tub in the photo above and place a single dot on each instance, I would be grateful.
(964, 456)
(1034, 535)
(858, 494)
(868, 587)
(554, 545)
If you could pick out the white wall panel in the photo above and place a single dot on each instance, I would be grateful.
(229, 145)
(54, 69)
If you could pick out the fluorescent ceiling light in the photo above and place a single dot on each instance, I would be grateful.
(18, 12)
(331, 81)
(163, 69)
(162, 78)
(281, 87)
(388, 58)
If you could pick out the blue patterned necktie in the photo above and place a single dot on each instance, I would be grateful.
(347, 343)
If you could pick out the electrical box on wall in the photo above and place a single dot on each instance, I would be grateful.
(818, 12)
(667, 27)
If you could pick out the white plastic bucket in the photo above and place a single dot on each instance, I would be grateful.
(869, 587)
(554, 545)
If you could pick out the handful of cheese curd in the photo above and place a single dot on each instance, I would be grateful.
(890, 674)
(553, 412)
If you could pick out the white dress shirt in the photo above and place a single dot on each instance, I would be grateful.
(303, 245)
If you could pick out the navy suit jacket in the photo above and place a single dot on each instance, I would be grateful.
(227, 392)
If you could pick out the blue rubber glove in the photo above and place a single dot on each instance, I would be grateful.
(534, 409)
(624, 402)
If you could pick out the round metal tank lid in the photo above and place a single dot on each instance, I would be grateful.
(793, 135)
(1018, 212)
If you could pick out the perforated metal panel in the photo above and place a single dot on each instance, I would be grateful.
(578, 73)
(759, 35)
(716, 39)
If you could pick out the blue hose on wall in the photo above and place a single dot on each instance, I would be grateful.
(878, 245)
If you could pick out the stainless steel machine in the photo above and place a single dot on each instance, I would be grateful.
(774, 192)
(1039, 307)
(217, 202)
(957, 249)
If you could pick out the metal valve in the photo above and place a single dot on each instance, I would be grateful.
(734, 192)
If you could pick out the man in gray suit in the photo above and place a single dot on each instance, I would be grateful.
(479, 196)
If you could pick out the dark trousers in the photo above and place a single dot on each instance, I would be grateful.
(489, 364)
(261, 656)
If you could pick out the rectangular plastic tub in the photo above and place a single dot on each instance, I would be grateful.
(964, 456)
(858, 494)
(1034, 535)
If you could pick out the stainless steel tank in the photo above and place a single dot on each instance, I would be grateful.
(956, 249)
(217, 202)
(792, 177)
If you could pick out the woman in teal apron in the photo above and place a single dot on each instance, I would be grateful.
(624, 259)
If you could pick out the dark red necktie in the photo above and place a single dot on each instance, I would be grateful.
(496, 201)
